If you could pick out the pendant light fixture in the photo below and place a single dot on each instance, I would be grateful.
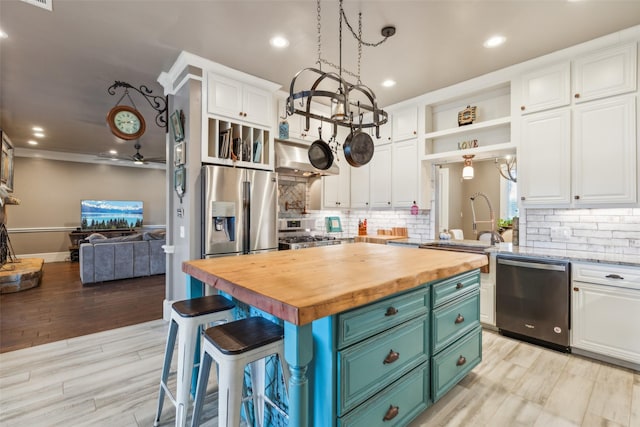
(331, 89)
(467, 170)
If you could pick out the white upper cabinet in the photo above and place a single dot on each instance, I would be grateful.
(405, 124)
(544, 158)
(404, 176)
(546, 88)
(380, 177)
(607, 72)
(604, 151)
(239, 101)
(360, 186)
(385, 132)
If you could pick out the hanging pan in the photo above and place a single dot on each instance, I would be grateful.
(320, 154)
(358, 147)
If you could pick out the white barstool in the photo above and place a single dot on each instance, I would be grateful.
(186, 319)
(232, 346)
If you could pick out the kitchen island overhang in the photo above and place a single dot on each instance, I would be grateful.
(306, 287)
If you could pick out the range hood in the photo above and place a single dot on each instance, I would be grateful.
(292, 158)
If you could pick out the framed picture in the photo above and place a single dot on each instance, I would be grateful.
(176, 125)
(179, 178)
(6, 164)
(179, 154)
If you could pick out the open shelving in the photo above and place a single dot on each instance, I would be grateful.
(234, 143)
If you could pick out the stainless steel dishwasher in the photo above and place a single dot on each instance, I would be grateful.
(533, 300)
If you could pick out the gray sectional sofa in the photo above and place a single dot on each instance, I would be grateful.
(136, 255)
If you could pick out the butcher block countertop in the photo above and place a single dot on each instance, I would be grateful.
(301, 286)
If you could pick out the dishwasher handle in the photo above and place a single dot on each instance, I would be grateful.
(534, 265)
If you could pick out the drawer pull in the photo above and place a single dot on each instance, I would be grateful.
(459, 319)
(392, 412)
(391, 357)
(461, 360)
(614, 276)
(391, 311)
(459, 285)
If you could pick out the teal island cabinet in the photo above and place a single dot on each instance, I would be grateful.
(373, 334)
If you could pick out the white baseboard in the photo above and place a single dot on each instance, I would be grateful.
(48, 256)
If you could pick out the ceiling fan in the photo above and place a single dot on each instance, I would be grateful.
(137, 158)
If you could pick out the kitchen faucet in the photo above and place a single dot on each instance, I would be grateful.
(495, 237)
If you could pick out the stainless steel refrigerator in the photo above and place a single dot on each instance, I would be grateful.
(240, 211)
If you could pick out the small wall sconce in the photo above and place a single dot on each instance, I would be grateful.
(467, 170)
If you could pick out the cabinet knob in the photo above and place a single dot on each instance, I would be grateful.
(576, 96)
(461, 360)
(392, 412)
(391, 357)
(576, 289)
(576, 197)
(522, 198)
(244, 114)
(522, 108)
(388, 203)
(391, 311)
(366, 203)
(459, 285)
(415, 132)
(389, 138)
(459, 319)
(240, 113)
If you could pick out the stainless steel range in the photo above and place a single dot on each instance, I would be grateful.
(296, 233)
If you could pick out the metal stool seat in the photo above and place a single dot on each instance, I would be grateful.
(186, 319)
(233, 346)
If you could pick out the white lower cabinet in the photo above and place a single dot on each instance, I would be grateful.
(606, 311)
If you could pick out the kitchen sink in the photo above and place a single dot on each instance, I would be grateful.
(472, 247)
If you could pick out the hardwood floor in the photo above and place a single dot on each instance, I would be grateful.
(61, 307)
(111, 379)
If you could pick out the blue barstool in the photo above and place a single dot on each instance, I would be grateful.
(233, 346)
(186, 319)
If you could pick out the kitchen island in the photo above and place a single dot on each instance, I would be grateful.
(327, 298)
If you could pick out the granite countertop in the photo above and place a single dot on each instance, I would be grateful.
(570, 255)
(574, 256)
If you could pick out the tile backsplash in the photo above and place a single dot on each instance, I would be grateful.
(597, 230)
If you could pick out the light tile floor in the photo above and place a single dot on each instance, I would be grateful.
(111, 379)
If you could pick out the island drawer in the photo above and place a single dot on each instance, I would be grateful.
(453, 363)
(363, 322)
(371, 365)
(453, 287)
(453, 320)
(396, 405)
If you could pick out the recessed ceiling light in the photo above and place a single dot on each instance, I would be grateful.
(389, 83)
(113, 152)
(494, 41)
(279, 42)
(37, 129)
(38, 134)
(32, 142)
(3, 35)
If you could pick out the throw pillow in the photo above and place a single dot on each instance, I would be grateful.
(154, 235)
(130, 238)
(92, 238)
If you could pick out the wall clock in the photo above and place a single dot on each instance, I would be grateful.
(126, 122)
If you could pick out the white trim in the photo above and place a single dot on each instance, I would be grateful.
(48, 257)
(65, 229)
(81, 158)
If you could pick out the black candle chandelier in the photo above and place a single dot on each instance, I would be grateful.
(342, 97)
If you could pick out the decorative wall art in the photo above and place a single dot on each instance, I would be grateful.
(179, 154)
(177, 122)
(6, 164)
(467, 116)
(179, 178)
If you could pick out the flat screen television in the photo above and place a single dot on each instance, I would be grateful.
(110, 214)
